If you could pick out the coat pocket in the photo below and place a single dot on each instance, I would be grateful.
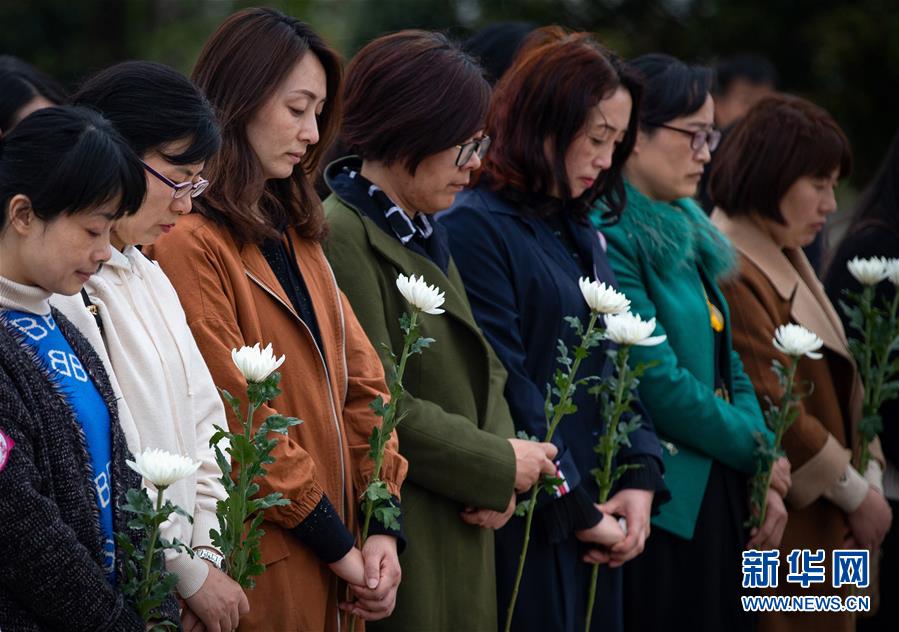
(273, 546)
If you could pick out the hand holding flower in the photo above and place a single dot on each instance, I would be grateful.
(532, 459)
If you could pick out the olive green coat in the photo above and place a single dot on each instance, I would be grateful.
(454, 429)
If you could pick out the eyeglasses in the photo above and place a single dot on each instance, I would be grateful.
(180, 189)
(467, 150)
(699, 137)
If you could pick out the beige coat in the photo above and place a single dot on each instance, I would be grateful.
(774, 287)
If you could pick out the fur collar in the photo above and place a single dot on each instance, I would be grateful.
(674, 235)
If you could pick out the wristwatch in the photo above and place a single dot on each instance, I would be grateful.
(209, 555)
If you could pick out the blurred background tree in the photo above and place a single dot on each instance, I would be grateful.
(842, 55)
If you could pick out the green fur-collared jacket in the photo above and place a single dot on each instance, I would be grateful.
(665, 256)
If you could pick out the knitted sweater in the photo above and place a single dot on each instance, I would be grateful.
(51, 549)
(166, 397)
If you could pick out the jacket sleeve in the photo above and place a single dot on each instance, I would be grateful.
(209, 411)
(202, 278)
(683, 408)
(43, 566)
(817, 458)
(482, 257)
(448, 454)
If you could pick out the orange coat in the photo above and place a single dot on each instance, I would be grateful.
(232, 298)
(775, 287)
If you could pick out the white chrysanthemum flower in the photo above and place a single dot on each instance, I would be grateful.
(602, 298)
(628, 328)
(256, 364)
(796, 341)
(162, 468)
(423, 297)
(893, 271)
(868, 271)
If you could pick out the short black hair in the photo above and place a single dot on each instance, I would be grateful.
(671, 88)
(21, 82)
(750, 67)
(68, 160)
(412, 94)
(151, 105)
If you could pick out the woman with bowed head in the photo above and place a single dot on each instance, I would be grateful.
(561, 123)
(416, 150)
(249, 268)
(773, 187)
(65, 176)
(166, 397)
(669, 259)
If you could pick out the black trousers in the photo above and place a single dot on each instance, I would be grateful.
(678, 584)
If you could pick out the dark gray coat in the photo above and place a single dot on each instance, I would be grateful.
(51, 575)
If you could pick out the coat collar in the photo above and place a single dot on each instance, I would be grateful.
(261, 272)
(544, 235)
(674, 235)
(790, 273)
(409, 262)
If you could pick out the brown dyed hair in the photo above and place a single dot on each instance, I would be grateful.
(546, 95)
(781, 139)
(409, 95)
(240, 67)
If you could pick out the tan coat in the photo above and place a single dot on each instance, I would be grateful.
(232, 298)
(775, 287)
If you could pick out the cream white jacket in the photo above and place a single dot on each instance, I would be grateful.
(167, 398)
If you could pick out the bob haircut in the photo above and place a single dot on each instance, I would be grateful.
(239, 69)
(20, 83)
(546, 96)
(68, 160)
(672, 89)
(409, 95)
(781, 139)
(152, 105)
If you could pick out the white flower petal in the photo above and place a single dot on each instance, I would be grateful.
(256, 364)
(892, 266)
(651, 341)
(421, 296)
(161, 468)
(627, 328)
(868, 271)
(602, 298)
(797, 341)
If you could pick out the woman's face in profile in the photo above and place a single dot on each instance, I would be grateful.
(590, 153)
(282, 130)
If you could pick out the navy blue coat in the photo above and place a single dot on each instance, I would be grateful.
(521, 282)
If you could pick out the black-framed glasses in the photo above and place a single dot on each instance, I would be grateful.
(467, 150)
(699, 137)
(180, 189)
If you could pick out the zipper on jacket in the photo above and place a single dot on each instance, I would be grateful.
(327, 377)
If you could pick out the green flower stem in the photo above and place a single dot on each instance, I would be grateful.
(608, 444)
(779, 430)
(237, 559)
(558, 413)
(148, 560)
(396, 391)
(388, 425)
(866, 369)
